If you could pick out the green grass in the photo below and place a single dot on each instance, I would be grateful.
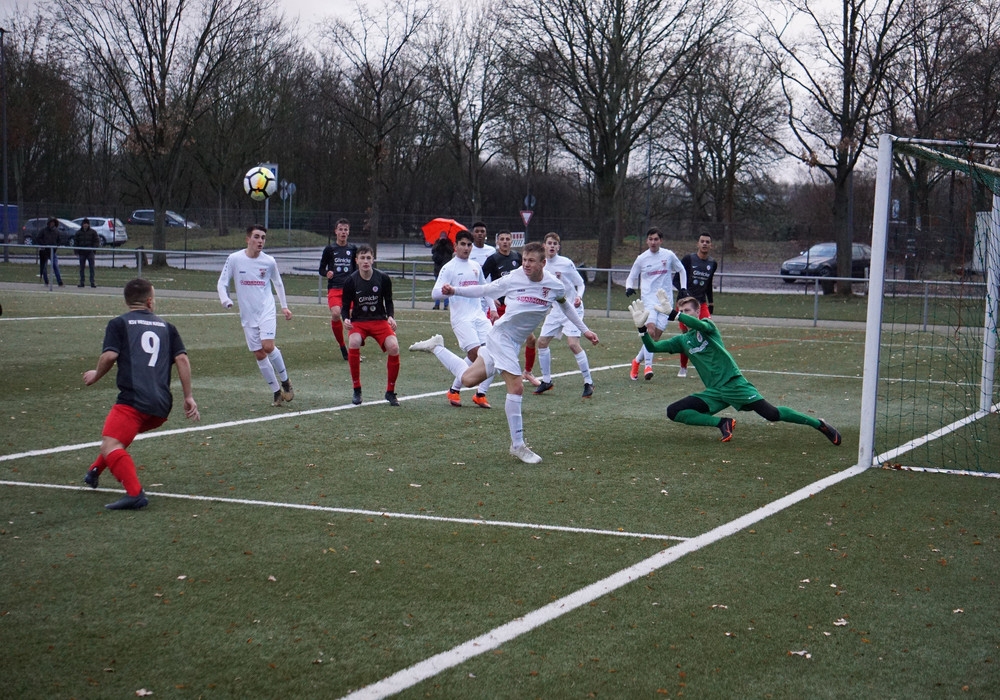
(195, 598)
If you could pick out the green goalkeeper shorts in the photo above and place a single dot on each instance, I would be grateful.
(737, 392)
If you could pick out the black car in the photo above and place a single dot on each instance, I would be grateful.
(145, 217)
(821, 261)
(28, 234)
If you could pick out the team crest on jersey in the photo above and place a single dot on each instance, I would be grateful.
(262, 272)
(375, 288)
(546, 291)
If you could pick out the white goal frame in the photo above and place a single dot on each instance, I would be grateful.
(876, 289)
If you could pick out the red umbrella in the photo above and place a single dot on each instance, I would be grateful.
(433, 229)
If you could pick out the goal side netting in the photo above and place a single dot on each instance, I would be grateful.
(929, 398)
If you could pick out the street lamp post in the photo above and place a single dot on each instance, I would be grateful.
(3, 109)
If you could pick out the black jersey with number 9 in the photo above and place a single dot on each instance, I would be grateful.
(146, 347)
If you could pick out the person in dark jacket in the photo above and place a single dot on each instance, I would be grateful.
(86, 240)
(441, 252)
(48, 240)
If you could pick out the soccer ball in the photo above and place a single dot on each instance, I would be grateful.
(259, 183)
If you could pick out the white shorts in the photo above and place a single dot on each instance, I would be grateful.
(556, 324)
(472, 332)
(267, 330)
(500, 354)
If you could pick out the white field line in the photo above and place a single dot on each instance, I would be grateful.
(409, 677)
(367, 513)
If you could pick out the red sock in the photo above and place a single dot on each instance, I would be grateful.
(392, 372)
(684, 361)
(99, 464)
(354, 362)
(121, 465)
(529, 358)
(338, 331)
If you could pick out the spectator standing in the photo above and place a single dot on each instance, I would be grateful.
(86, 240)
(338, 261)
(441, 253)
(48, 241)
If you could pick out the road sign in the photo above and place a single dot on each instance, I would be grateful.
(529, 201)
(526, 216)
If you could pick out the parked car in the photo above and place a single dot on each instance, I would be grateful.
(821, 261)
(144, 217)
(28, 234)
(111, 230)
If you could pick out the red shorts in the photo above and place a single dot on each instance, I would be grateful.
(379, 330)
(501, 310)
(702, 313)
(124, 423)
(335, 297)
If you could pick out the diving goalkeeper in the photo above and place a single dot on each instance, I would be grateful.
(725, 385)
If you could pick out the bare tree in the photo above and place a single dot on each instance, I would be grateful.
(613, 66)
(157, 63)
(472, 82)
(379, 75)
(831, 82)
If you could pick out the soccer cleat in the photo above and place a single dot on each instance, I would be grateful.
(726, 427)
(356, 399)
(343, 352)
(428, 345)
(480, 400)
(454, 397)
(390, 396)
(830, 432)
(648, 373)
(682, 372)
(543, 386)
(129, 502)
(524, 453)
(530, 378)
(633, 373)
(588, 390)
(287, 392)
(277, 399)
(90, 479)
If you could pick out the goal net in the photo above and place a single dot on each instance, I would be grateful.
(929, 399)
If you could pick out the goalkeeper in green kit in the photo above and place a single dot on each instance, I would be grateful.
(725, 385)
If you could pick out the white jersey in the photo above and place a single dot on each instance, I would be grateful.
(253, 278)
(655, 271)
(461, 273)
(527, 302)
(479, 255)
(565, 269)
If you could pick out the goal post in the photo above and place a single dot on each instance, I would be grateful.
(929, 392)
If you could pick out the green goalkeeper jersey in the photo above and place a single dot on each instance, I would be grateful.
(703, 345)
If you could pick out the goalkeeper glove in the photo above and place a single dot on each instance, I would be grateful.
(639, 314)
(665, 305)
(629, 291)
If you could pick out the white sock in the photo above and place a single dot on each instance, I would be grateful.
(512, 407)
(452, 362)
(485, 386)
(545, 363)
(278, 362)
(584, 364)
(268, 371)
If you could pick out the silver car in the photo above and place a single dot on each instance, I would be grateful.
(111, 230)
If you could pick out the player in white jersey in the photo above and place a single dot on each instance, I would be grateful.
(652, 271)
(556, 324)
(480, 249)
(529, 291)
(467, 319)
(254, 272)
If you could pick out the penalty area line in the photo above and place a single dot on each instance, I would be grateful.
(361, 511)
(419, 672)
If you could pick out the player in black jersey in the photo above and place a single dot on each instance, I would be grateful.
(144, 347)
(500, 264)
(700, 270)
(368, 311)
(338, 261)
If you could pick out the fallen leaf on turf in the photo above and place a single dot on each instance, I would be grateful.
(181, 577)
(803, 653)
(958, 610)
(142, 693)
(416, 486)
(840, 623)
(271, 578)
